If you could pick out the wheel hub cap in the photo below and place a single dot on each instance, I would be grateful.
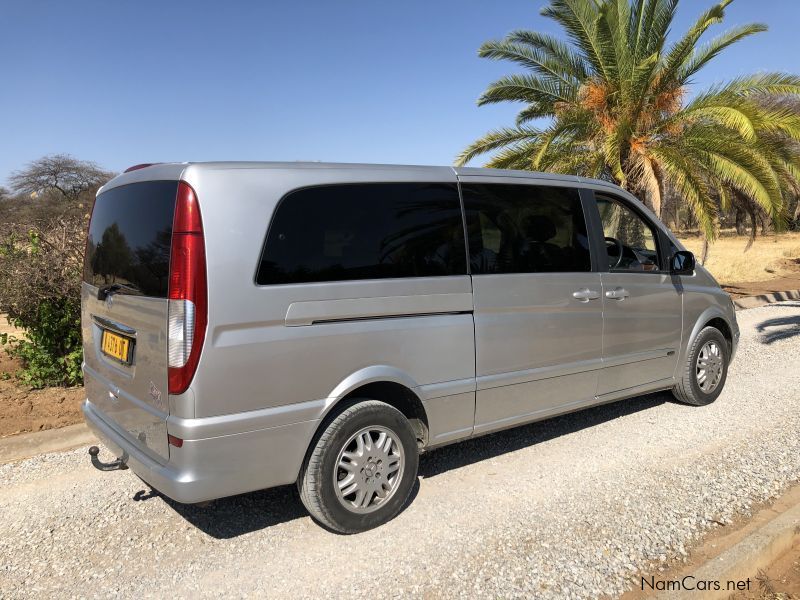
(709, 368)
(369, 469)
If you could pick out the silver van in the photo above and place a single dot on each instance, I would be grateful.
(249, 325)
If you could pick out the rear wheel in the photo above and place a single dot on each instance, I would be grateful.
(362, 468)
(705, 370)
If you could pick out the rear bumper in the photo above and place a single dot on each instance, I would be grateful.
(206, 469)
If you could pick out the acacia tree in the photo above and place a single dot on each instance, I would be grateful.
(59, 173)
(614, 97)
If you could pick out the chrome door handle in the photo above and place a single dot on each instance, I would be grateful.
(585, 295)
(617, 294)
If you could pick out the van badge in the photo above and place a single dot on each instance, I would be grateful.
(155, 393)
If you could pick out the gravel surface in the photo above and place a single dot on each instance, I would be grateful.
(573, 507)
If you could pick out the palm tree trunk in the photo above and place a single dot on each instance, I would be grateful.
(765, 223)
(740, 227)
(753, 228)
(658, 205)
(704, 251)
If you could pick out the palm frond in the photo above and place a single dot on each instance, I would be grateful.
(579, 19)
(682, 50)
(685, 177)
(493, 140)
(529, 89)
(571, 62)
(531, 58)
(706, 53)
(650, 24)
(533, 112)
(761, 83)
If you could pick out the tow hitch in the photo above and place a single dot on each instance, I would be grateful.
(118, 464)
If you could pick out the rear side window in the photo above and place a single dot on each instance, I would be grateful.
(365, 231)
(525, 229)
(129, 238)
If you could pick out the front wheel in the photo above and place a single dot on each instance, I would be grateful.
(705, 370)
(362, 468)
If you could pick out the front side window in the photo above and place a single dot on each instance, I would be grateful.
(630, 241)
(525, 229)
(365, 231)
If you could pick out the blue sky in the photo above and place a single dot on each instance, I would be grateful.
(350, 80)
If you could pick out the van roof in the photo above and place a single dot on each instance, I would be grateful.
(174, 170)
(170, 171)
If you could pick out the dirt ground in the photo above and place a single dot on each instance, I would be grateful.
(771, 264)
(779, 581)
(23, 410)
(732, 262)
(790, 281)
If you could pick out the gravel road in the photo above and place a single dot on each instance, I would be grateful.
(569, 508)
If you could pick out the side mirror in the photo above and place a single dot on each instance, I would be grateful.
(682, 263)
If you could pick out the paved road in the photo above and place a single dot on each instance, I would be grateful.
(572, 507)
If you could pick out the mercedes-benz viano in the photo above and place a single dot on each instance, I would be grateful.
(249, 325)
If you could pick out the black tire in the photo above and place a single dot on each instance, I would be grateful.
(316, 481)
(688, 389)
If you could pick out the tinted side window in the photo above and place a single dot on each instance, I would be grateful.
(525, 229)
(129, 237)
(365, 231)
(630, 241)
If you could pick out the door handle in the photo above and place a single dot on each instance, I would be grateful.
(617, 294)
(585, 295)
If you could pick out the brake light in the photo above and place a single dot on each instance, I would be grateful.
(188, 292)
(139, 166)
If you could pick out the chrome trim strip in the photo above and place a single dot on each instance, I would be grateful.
(315, 311)
(485, 382)
(430, 391)
(495, 380)
(625, 359)
(114, 326)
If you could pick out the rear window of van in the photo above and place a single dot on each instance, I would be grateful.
(129, 238)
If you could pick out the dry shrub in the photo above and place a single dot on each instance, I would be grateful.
(40, 278)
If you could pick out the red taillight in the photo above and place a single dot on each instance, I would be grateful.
(174, 441)
(188, 294)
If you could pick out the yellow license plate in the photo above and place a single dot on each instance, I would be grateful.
(116, 346)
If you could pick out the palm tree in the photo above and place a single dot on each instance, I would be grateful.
(615, 102)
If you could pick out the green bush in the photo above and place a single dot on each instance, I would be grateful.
(51, 351)
(40, 279)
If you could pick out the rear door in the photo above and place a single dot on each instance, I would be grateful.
(642, 303)
(124, 310)
(538, 313)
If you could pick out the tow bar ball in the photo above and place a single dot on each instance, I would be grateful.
(115, 465)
